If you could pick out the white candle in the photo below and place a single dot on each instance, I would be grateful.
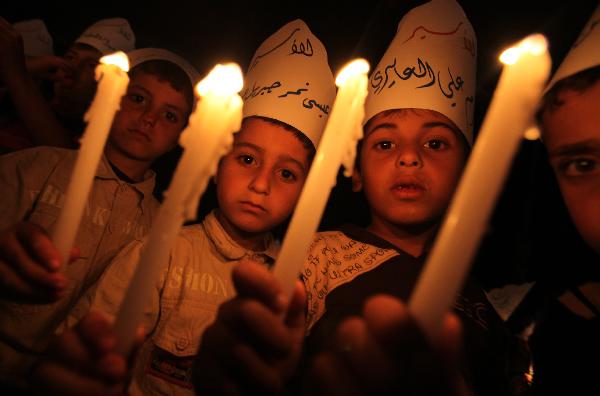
(338, 145)
(112, 78)
(510, 113)
(207, 137)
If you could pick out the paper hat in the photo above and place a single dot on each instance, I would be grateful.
(109, 35)
(585, 52)
(430, 64)
(146, 54)
(289, 79)
(36, 39)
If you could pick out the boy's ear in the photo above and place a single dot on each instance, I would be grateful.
(356, 180)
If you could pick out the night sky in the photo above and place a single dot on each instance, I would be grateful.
(529, 234)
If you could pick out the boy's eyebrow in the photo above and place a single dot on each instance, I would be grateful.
(293, 160)
(385, 125)
(584, 147)
(170, 105)
(436, 124)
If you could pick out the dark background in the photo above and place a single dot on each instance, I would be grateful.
(530, 235)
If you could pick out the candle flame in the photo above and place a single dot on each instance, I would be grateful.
(357, 66)
(223, 80)
(118, 59)
(535, 44)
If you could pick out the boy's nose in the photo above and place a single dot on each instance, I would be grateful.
(409, 158)
(260, 183)
(149, 118)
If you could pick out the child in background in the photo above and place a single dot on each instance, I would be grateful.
(60, 121)
(416, 143)
(566, 336)
(36, 294)
(258, 183)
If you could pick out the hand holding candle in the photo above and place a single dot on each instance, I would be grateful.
(112, 78)
(338, 145)
(207, 137)
(510, 113)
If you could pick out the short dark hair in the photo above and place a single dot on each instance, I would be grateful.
(306, 142)
(578, 82)
(168, 71)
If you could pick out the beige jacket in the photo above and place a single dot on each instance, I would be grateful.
(195, 281)
(33, 183)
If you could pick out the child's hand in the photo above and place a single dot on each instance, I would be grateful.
(250, 349)
(45, 67)
(82, 361)
(384, 353)
(29, 265)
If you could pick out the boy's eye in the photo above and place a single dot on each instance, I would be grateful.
(287, 175)
(136, 98)
(384, 145)
(578, 167)
(171, 117)
(436, 144)
(246, 159)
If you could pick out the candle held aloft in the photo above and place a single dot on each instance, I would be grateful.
(208, 136)
(112, 78)
(338, 146)
(510, 113)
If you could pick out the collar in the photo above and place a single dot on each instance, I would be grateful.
(230, 249)
(144, 187)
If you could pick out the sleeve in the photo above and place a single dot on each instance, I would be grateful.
(22, 176)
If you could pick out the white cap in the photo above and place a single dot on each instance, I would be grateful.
(109, 35)
(36, 39)
(585, 52)
(289, 79)
(142, 55)
(430, 64)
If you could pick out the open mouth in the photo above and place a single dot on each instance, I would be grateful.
(408, 190)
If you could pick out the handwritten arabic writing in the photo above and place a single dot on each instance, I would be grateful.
(308, 103)
(302, 49)
(431, 32)
(423, 70)
(257, 58)
(469, 45)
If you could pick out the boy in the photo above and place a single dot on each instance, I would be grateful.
(415, 145)
(121, 207)
(59, 122)
(258, 183)
(567, 332)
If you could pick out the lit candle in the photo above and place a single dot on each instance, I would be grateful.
(208, 136)
(338, 146)
(112, 78)
(511, 112)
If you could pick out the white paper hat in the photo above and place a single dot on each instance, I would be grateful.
(430, 64)
(109, 35)
(584, 53)
(142, 55)
(289, 79)
(36, 39)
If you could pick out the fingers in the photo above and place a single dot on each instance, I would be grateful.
(254, 280)
(328, 375)
(29, 263)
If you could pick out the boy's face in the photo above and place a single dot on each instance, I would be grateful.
(410, 163)
(75, 86)
(260, 179)
(150, 120)
(572, 137)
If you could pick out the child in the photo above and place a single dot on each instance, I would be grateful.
(121, 208)
(415, 146)
(59, 122)
(567, 333)
(258, 183)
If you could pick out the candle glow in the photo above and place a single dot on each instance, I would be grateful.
(111, 74)
(338, 146)
(511, 111)
(208, 136)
